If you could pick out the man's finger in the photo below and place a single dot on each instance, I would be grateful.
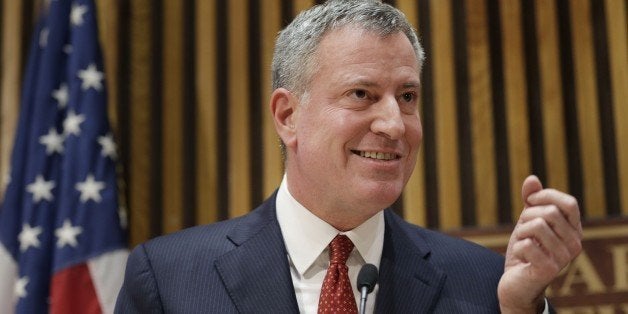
(567, 204)
(556, 219)
(544, 267)
(530, 185)
(562, 250)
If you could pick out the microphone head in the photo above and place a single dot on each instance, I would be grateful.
(367, 277)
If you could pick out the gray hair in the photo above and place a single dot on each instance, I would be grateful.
(296, 45)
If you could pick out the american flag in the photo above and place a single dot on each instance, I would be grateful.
(62, 239)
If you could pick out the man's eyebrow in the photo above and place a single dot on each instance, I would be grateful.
(411, 85)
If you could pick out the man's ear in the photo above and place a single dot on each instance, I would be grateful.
(283, 109)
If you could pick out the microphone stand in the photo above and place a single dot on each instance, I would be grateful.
(363, 294)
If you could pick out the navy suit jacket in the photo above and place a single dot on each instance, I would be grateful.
(241, 265)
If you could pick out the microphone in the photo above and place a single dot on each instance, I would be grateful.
(367, 278)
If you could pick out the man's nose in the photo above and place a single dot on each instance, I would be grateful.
(388, 121)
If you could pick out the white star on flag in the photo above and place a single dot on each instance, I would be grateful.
(66, 235)
(90, 189)
(53, 141)
(91, 77)
(20, 287)
(41, 189)
(72, 123)
(29, 237)
(108, 146)
(76, 16)
(62, 95)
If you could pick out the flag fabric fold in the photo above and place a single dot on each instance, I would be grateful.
(62, 237)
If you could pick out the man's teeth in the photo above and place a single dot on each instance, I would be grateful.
(378, 155)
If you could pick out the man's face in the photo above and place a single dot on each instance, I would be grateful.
(357, 130)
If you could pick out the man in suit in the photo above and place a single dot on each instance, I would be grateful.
(345, 105)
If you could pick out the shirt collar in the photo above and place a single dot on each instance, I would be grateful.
(306, 236)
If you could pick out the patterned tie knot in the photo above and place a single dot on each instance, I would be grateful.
(339, 249)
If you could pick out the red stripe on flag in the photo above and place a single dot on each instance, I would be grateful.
(72, 291)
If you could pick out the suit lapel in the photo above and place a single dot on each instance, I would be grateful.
(408, 282)
(256, 273)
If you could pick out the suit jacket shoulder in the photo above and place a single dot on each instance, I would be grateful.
(225, 267)
(427, 271)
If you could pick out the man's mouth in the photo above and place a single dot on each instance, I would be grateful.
(376, 155)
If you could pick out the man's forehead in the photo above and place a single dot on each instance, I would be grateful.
(355, 35)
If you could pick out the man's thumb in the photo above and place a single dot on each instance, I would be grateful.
(530, 185)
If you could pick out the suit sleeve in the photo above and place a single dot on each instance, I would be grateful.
(139, 292)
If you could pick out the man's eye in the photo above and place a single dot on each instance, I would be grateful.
(408, 97)
(360, 94)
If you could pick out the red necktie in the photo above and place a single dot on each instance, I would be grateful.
(337, 294)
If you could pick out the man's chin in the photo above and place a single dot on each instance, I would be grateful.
(384, 194)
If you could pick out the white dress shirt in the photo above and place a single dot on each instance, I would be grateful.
(307, 238)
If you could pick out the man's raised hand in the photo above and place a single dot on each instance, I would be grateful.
(546, 238)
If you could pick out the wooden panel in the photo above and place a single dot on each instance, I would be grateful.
(551, 96)
(172, 114)
(586, 104)
(206, 161)
(445, 115)
(515, 91)
(618, 50)
(239, 147)
(11, 79)
(300, 5)
(140, 158)
(108, 22)
(414, 195)
(481, 113)
(273, 164)
(414, 192)
(410, 9)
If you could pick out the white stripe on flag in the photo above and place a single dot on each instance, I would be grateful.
(8, 277)
(107, 272)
